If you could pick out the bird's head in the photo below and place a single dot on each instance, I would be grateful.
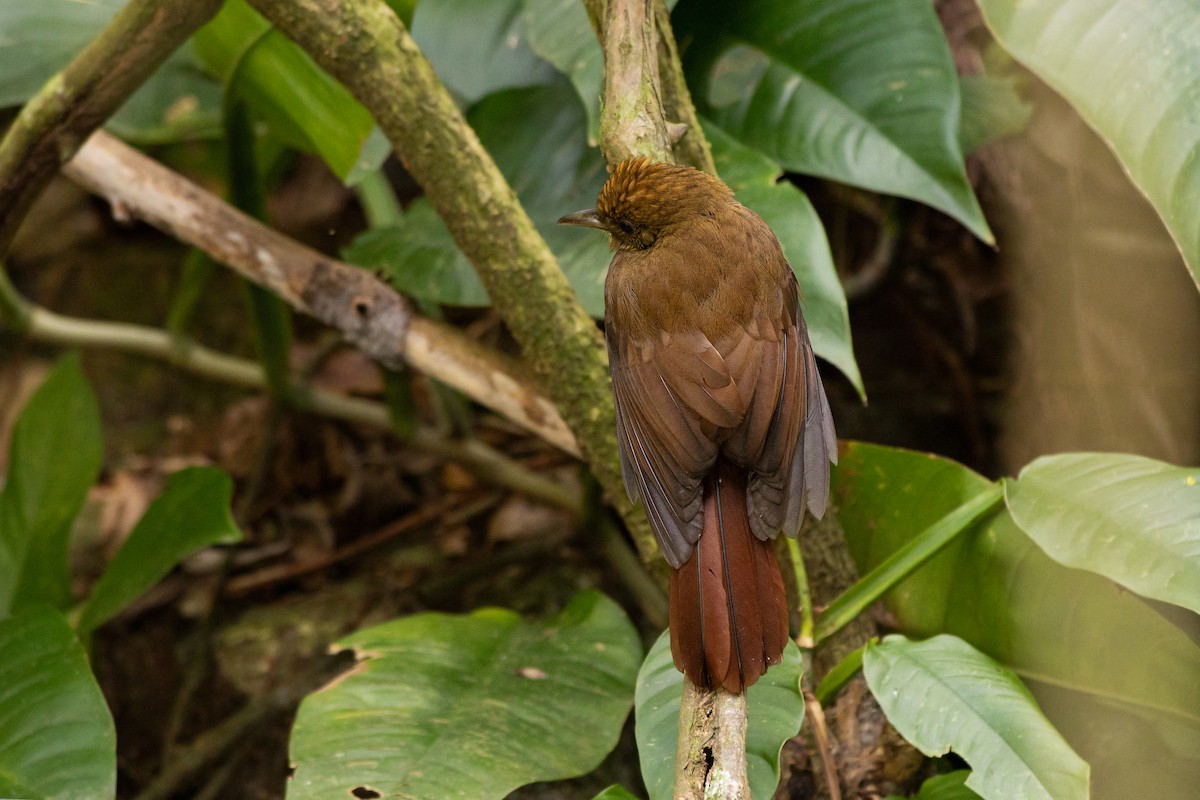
(643, 199)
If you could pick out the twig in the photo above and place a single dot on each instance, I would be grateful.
(362, 307)
(365, 45)
(486, 462)
(816, 720)
(426, 514)
(73, 103)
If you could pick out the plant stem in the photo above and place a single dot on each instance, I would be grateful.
(803, 595)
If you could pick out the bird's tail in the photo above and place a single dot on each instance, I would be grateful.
(729, 618)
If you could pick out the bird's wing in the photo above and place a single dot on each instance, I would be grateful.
(674, 397)
(790, 470)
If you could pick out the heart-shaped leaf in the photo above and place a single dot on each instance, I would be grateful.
(469, 706)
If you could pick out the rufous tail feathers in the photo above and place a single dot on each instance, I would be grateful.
(729, 618)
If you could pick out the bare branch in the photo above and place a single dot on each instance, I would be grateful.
(631, 117)
(365, 309)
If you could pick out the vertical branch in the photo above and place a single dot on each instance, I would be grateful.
(711, 755)
(58, 119)
(365, 45)
(631, 114)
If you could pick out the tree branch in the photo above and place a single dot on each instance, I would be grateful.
(711, 756)
(365, 45)
(55, 121)
(365, 309)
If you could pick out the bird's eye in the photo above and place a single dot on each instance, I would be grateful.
(625, 227)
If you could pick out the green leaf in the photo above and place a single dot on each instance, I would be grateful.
(841, 674)
(478, 47)
(755, 179)
(996, 589)
(616, 792)
(951, 786)
(284, 88)
(57, 739)
(944, 696)
(469, 706)
(774, 713)
(1132, 70)
(901, 563)
(53, 461)
(536, 137)
(38, 39)
(858, 91)
(192, 513)
(560, 32)
(1131, 519)
(992, 108)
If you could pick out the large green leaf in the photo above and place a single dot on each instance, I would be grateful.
(191, 513)
(478, 47)
(283, 87)
(469, 706)
(996, 589)
(943, 695)
(57, 740)
(1131, 519)
(774, 713)
(755, 179)
(859, 91)
(39, 39)
(53, 460)
(1132, 70)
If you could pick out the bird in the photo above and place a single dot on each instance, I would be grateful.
(723, 428)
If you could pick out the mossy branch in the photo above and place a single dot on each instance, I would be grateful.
(61, 116)
(365, 45)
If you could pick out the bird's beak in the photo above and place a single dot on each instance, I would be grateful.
(586, 218)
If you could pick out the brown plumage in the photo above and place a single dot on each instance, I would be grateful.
(723, 427)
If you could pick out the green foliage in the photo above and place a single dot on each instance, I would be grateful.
(39, 39)
(859, 91)
(1132, 71)
(285, 89)
(774, 713)
(56, 735)
(53, 460)
(1132, 519)
(470, 706)
(993, 587)
(943, 695)
(951, 786)
(192, 513)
